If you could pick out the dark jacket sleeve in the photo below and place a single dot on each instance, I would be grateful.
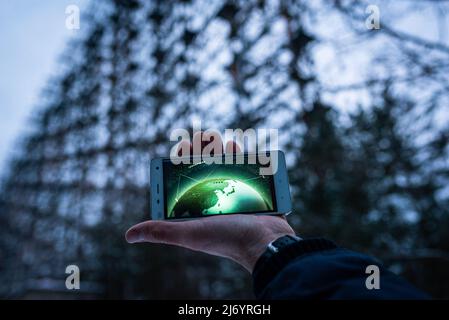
(332, 274)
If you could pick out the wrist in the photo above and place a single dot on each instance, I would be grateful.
(284, 251)
(258, 247)
(253, 237)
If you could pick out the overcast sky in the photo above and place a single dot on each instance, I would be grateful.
(32, 36)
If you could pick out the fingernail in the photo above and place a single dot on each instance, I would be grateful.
(133, 235)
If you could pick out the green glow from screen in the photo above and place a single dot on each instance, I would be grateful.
(198, 190)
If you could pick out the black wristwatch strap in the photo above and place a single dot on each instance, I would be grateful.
(288, 249)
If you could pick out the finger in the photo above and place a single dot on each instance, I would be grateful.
(232, 147)
(204, 235)
(184, 147)
(175, 233)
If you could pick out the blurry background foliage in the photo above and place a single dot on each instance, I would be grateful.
(368, 159)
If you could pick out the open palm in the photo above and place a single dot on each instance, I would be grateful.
(240, 237)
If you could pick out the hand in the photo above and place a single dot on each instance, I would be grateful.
(240, 237)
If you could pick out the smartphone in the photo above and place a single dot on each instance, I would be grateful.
(198, 186)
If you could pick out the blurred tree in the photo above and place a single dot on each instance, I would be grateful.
(374, 179)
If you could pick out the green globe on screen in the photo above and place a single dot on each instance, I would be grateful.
(219, 196)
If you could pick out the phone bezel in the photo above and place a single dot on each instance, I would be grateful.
(280, 179)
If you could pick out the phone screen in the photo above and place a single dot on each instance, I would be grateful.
(201, 189)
